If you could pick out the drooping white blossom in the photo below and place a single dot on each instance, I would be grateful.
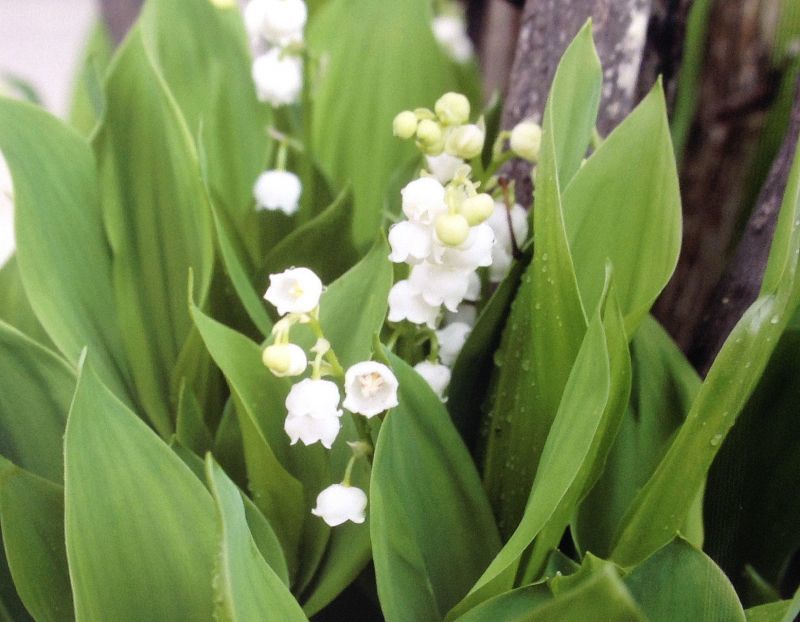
(440, 284)
(436, 375)
(340, 503)
(7, 239)
(278, 190)
(411, 242)
(502, 252)
(370, 388)
(443, 166)
(451, 339)
(474, 253)
(283, 21)
(313, 412)
(254, 15)
(296, 290)
(473, 288)
(451, 33)
(423, 200)
(407, 303)
(278, 77)
(285, 359)
(466, 314)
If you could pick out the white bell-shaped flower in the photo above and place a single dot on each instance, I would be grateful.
(474, 253)
(502, 252)
(423, 200)
(465, 141)
(466, 314)
(407, 303)
(473, 288)
(439, 284)
(285, 359)
(7, 240)
(501, 265)
(283, 21)
(254, 14)
(451, 33)
(278, 190)
(443, 166)
(278, 77)
(410, 241)
(313, 412)
(451, 339)
(339, 503)
(436, 375)
(370, 388)
(296, 290)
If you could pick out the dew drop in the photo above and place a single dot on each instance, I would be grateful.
(716, 440)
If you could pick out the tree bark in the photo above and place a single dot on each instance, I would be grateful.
(740, 285)
(548, 26)
(497, 46)
(119, 15)
(737, 87)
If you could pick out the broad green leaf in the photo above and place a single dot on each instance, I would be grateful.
(680, 582)
(245, 587)
(431, 526)
(573, 104)
(751, 519)
(36, 388)
(544, 330)
(202, 52)
(310, 244)
(272, 467)
(771, 612)
(62, 252)
(599, 596)
(568, 447)
(157, 218)
(624, 205)
(11, 607)
(15, 308)
(140, 527)
(32, 516)
(351, 128)
(663, 503)
(86, 107)
(512, 606)
(191, 430)
(664, 385)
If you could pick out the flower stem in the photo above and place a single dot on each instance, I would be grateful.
(330, 355)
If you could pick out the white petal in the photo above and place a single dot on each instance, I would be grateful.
(314, 398)
(278, 77)
(436, 375)
(296, 290)
(278, 190)
(444, 166)
(440, 284)
(370, 388)
(423, 200)
(473, 288)
(451, 339)
(310, 430)
(339, 503)
(7, 240)
(501, 265)
(407, 303)
(475, 253)
(410, 241)
(284, 21)
(466, 314)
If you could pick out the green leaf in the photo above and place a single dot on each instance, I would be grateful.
(192, 431)
(32, 515)
(431, 526)
(157, 219)
(351, 128)
(309, 245)
(36, 388)
(624, 205)
(512, 606)
(139, 525)
(15, 308)
(202, 52)
(245, 587)
(86, 107)
(62, 253)
(664, 385)
(680, 582)
(11, 607)
(272, 467)
(771, 612)
(546, 317)
(661, 506)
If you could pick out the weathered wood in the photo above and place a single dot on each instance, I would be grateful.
(736, 90)
(119, 15)
(663, 51)
(620, 28)
(741, 282)
(497, 46)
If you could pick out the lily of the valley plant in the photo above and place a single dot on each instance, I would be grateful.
(279, 341)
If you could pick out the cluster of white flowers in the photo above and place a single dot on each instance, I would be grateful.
(450, 30)
(277, 25)
(7, 240)
(314, 405)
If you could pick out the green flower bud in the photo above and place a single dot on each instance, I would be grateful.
(429, 132)
(452, 109)
(452, 229)
(284, 359)
(526, 140)
(477, 209)
(465, 142)
(405, 124)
